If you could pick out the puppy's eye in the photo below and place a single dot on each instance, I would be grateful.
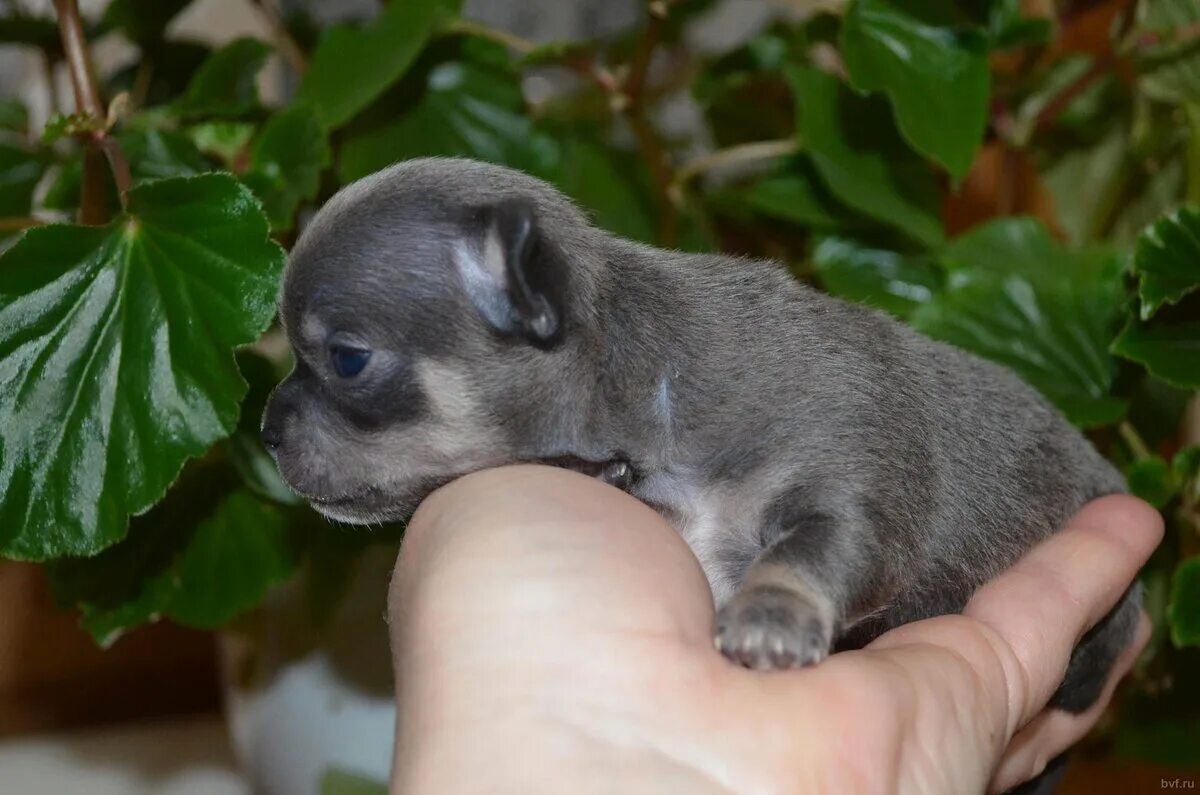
(348, 362)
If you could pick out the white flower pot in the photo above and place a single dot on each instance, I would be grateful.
(306, 696)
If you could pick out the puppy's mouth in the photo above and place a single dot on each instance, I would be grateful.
(376, 503)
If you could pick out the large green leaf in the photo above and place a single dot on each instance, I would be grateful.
(115, 357)
(205, 554)
(889, 280)
(353, 66)
(859, 154)
(232, 559)
(1167, 260)
(1017, 297)
(935, 75)
(225, 85)
(286, 163)
(469, 106)
(1183, 612)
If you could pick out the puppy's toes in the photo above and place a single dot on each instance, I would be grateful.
(768, 628)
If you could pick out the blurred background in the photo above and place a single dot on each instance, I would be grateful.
(1017, 177)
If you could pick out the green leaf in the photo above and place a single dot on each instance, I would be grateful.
(353, 66)
(155, 154)
(467, 106)
(1169, 350)
(1186, 463)
(1170, 69)
(244, 448)
(115, 357)
(175, 64)
(20, 172)
(936, 76)
(231, 561)
(13, 115)
(1083, 182)
(152, 154)
(1008, 27)
(1017, 297)
(1167, 259)
(286, 163)
(858, 153)
(1152, 479)
(142, 21)
(225, 140)
(1051, 83)
(342, 782)
(1156, 194)
(795, 193)
(1183, 612)
(225, 85)
(602, 183)
(887, 280)
(206, 554)
(40, 32)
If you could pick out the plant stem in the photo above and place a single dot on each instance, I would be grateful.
(1133, 440)
(284, 42)
(742, 153)
(87, 100)
(17, 223)
(142, 80)
(630, 101)
(1193, 153)
(470, 27)
(83, 79)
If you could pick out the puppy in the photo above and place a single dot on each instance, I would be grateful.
(836, 473)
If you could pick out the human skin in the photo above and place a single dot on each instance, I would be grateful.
(552, 634)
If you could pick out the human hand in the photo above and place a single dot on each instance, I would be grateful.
(552, 634)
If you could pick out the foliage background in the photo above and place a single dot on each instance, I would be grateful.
(1020, 179)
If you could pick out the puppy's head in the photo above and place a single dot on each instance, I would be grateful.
(423, 304)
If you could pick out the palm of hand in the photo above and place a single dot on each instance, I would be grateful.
(553, 634)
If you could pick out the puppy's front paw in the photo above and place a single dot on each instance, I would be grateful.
(770, 628)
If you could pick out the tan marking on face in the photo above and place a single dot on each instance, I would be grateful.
(453, 440)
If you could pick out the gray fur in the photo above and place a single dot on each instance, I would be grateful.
(835, 472)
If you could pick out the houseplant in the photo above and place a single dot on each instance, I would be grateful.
(1020, 180)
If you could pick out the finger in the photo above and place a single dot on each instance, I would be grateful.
(1053, 731)
(1043, 605)
(533, 549)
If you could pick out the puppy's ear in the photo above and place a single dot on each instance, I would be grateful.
(512, 276)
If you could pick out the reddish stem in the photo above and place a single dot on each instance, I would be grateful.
(87, 100)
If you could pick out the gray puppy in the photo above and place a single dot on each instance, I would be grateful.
(835, 473)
